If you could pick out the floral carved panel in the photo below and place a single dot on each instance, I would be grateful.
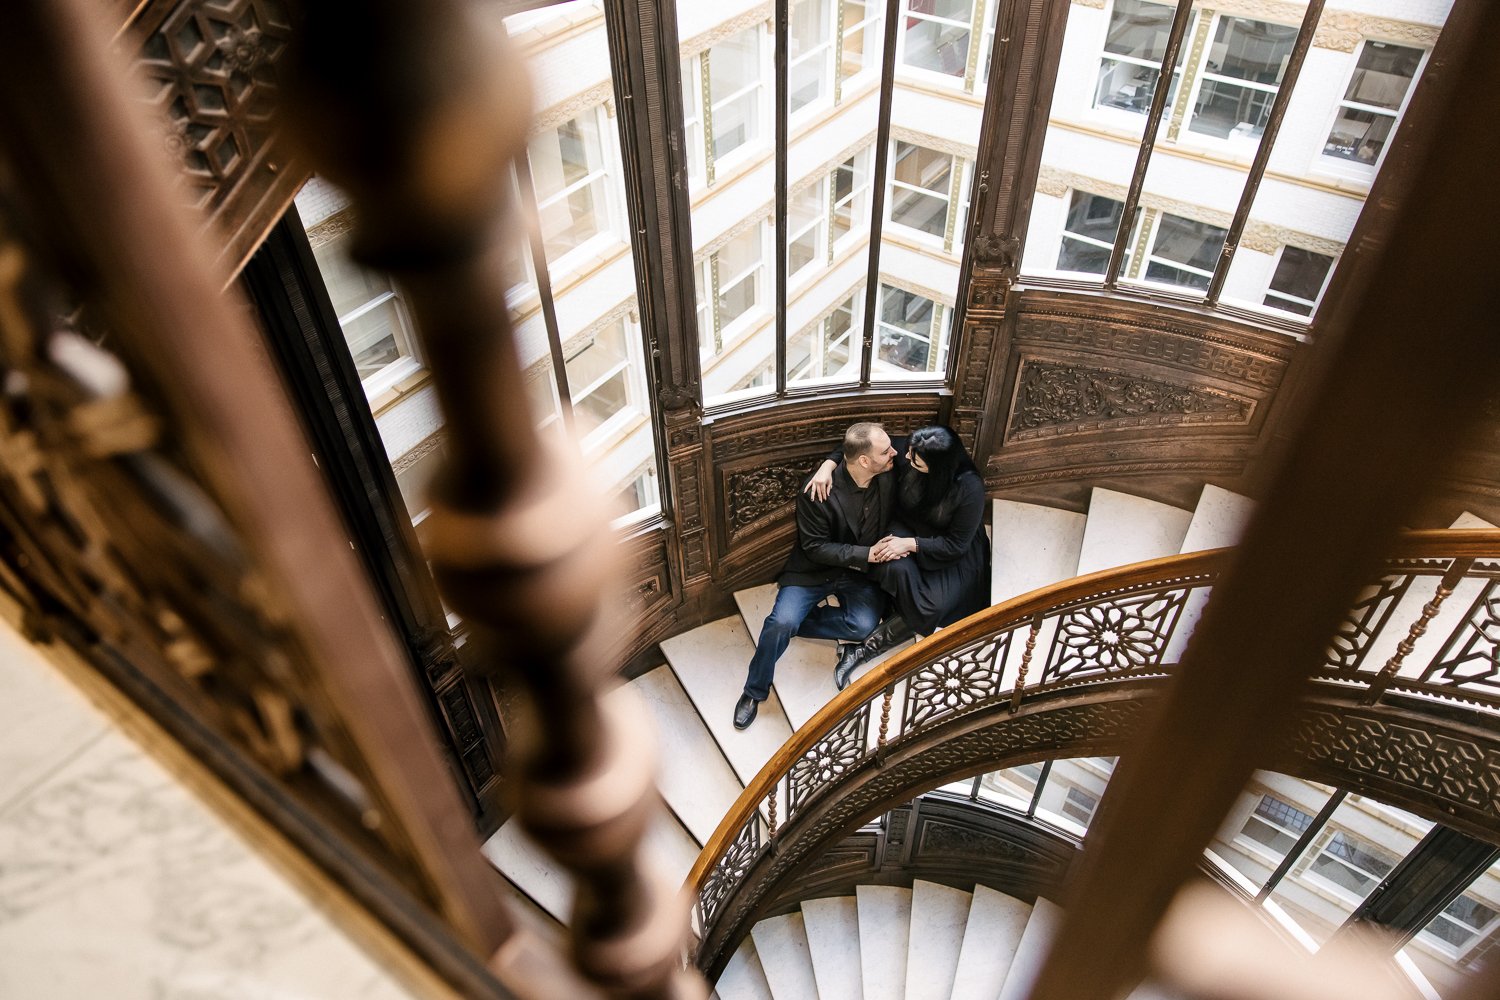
(1055, 399)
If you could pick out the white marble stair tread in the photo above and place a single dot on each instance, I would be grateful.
(710, 661)
(938, 914)
(832, 927)
(1152, 990)
(1034, 546)
(672, 845)
(695, 778)
(1219, 519)
(884, 935)
(804, 674)
(991, 935)
(743, 978)
(1467, 521)
(1035, 942)
(1124, 529)
(524, 864)
(781, 943)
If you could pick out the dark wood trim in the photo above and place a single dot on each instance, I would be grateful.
(526, 193)
(783, 30)
(303, 333)
(1294, 853)
(877, 188)
(1263, 150)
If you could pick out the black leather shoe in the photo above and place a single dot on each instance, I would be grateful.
(851, 655)
(744, 711)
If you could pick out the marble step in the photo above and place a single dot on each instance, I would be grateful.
(833, 938)
(992, 933)
(1032, 949)
(804, 674)
(709, 662)
(694, 776)
(1033, 546)
(743, 978)
(781, 944)
(1219, 519)
(1122, 529)
(938, 915)
(884, 937)
(524, 864)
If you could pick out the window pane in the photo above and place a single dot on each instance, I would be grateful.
(1362, 843)
(922, 168)
(1383, 75)
(601, 403)
(1358, 135)
(567, 169)
(1250, 50)
(592, 360)
(376, 337)
(1461, 938)
(1089, 233)
(1187, 251)
(936, 47)
(808, 38)
(1139, 29)
(862, 40)
(734, 65)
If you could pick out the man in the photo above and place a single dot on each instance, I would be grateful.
(829, 559)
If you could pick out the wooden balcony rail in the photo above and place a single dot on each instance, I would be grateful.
(1119, 625)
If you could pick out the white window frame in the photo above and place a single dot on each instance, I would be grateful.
(819, 228)
(635, 389)
(861, 167)
(1321, 850)
(1151, 257)
(813, 370)
(1248, 843)
(825, 51)
(608, 234)
(1122, 116)
(715, 339)
(1477, 935)
(709, 164)
(409, 359)
(1339, 166)
(874, 14)
(957, 166)
(907, 17)
(1064, 233)
(1313, 304)
(1204, 74)
(936, 339)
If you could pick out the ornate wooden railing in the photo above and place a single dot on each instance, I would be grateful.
(1095, 632)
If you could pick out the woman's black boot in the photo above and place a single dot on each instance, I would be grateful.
(890, 632)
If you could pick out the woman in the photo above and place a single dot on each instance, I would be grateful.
(935, 562)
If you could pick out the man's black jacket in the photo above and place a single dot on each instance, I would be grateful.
(829, 541)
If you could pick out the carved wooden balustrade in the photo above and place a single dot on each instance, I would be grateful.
(1070, 670)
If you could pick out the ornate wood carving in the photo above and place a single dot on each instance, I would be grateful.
(757, 494)
(1059, 399)
(212, 67)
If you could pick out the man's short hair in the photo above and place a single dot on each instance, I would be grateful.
(857, 439)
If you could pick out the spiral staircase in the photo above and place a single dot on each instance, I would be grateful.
(706, 763)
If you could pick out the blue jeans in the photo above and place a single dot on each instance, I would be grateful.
(797, 612)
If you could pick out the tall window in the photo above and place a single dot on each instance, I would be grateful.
(724, 97)
(810, 52)
(601, 378)
(729, 287)
(370, 311)
(1184, 252)
(823, 350)
(1276, 825)
(850, 192)
(570, 174)
(1133, 51)
(1088, 233)
(1298, 281)
(909, 326)
(1239, 76)
(1353, 864)
(938, 39)
(927, 192)
(1372, 102)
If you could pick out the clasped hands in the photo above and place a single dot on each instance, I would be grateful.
(891, 548)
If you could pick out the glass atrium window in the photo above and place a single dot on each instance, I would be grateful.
(1461, 938)
(810, 41)
(1184, 252)
(1299, 280)
(822, 351)
(1240, 75)
(1133, 51)
(569, 173)
(1089, 233)
(920, 182)
(909, 326)
(1372, 102)
(936, 37)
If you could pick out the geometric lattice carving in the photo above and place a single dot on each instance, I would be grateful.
(1113, 636)
(1050, 395)
(731, 869)
(1346, 650)
(828, 758)
(955, 683)
(210, 65)
(1470, 659)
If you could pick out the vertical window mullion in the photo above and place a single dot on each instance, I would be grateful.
(878, 186)
(783, 30)
(1175, 35)
(527, 191)
(1300, 847)
(1263, 151)
(1036, 795)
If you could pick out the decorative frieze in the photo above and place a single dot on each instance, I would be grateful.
(708, 39)
(565, 111)
(1071, 398)
(927, 141)
(1343, 30)
(754, 495)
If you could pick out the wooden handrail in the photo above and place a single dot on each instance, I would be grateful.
(1428, 544)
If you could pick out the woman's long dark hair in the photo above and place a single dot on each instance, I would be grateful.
(946, 460)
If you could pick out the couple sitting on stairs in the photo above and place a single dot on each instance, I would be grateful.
(880, 523)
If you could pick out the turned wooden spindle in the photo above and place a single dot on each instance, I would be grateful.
(418, 111)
